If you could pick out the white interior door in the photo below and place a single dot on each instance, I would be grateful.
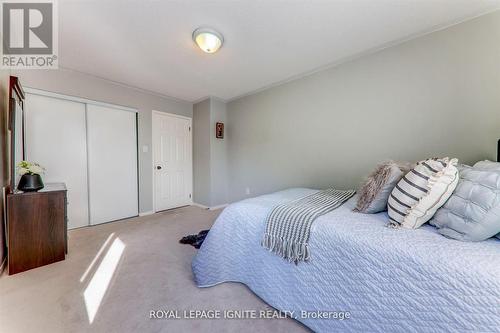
(172, 161)
(56, 138)
(112, 163)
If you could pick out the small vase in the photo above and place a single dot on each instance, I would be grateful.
(30, 183)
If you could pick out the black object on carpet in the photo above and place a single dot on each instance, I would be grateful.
(195, 240)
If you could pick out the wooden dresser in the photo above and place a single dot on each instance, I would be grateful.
(36, 228)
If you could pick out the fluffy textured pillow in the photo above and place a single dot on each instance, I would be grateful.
(473, 211)
(487, 165)
(421, 192)
(373, 195)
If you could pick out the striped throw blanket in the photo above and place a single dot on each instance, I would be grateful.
(289, 224)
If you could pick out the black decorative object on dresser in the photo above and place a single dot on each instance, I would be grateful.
(36, 228)
(30, 183)
(31, 179)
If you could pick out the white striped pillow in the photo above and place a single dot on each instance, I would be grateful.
(421, 192)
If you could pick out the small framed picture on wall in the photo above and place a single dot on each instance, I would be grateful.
(219, 130)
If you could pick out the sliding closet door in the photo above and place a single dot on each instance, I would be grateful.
(56, 138)
(112, 163)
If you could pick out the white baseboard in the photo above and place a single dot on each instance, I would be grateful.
(146, 213)
(219, 206)
(199, 205)
(210, 208)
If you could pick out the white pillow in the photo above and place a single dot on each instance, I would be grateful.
(487, 165)
(422, 191)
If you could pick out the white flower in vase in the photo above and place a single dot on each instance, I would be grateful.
(22, 171)
(31, 179)
(36, 169)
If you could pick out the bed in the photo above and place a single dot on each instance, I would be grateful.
(388, 280)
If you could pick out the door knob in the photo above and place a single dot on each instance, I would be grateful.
(158, 167)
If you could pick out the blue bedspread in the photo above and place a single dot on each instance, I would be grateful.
(389, 280)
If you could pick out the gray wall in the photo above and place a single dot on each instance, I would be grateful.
(86, 86)
(433, 96)
(218, 151)
(201, 153)
(209, 154)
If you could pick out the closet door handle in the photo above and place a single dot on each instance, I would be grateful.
(158, 167)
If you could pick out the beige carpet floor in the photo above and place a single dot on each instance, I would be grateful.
(116, 273)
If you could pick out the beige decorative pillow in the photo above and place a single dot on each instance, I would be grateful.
(373, 195)
(421, 192)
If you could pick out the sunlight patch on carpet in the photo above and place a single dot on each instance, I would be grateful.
(97, 287)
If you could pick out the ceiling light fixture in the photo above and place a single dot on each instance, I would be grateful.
(208, 40)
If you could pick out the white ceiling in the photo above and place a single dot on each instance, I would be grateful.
(147, 44)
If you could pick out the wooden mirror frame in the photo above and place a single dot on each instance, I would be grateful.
(16, 96)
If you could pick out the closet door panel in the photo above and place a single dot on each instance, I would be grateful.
(56, 138)
(112, 162)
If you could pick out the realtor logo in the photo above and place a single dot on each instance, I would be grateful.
(29, 34)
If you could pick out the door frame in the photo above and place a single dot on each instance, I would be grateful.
(153, 143)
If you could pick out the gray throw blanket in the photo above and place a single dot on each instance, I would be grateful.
(289, 224)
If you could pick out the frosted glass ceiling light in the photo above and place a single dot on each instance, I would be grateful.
(208, 40)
